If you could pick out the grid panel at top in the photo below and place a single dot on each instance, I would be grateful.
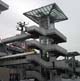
(51, 10)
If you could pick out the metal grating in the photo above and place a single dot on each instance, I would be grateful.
(52, 10)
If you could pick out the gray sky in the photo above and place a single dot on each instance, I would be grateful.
(70, 28)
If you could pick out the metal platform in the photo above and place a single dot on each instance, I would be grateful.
(52, 10)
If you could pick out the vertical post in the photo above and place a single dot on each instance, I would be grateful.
(44, 23)
(0, 11)
(73, 64)
(47, 25)
(24, 73)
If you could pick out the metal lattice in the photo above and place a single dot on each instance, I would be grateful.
(52, 10)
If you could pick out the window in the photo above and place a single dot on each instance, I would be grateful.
(14, 77)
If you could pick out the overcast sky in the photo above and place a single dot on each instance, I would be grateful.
(70, 28)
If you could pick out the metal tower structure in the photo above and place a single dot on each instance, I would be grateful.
(48, 35)
(43, 66)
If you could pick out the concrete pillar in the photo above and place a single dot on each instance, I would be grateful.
(47, 25)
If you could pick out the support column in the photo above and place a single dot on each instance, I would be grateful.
(45, 23)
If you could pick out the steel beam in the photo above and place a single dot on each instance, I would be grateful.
(15, 38)
(3, 6)
(16, 55)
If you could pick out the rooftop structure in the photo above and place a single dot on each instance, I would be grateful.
(52, 10)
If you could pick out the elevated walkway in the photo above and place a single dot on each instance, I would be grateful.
(27, 58)
(51, 33)
(55, 49)
(24, 58)
(15, 38)
(61, 64)
(37, 59)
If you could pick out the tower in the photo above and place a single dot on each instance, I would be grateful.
(48, 36)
